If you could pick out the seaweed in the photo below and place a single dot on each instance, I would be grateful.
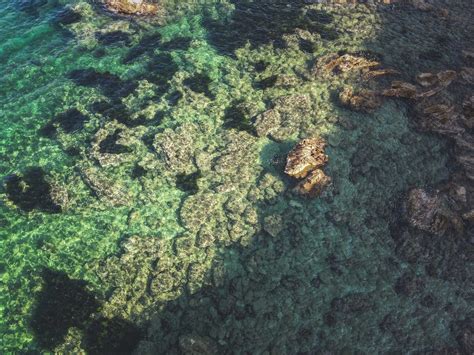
(31, 191)
(112, 38)
(109, 144)
(61, 304)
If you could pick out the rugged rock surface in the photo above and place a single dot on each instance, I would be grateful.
(132, 7)
(307, 156)
(363, 100)
(305, 161)
(429, 212)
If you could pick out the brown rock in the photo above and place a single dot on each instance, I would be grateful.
(363, 100)
(428, 212)
(427, 79)
(314, 184)
(307, 156)
(131, 7)
(401, 89)
(345, 63)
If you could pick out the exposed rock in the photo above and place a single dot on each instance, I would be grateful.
(401, 89)
(308, 155)
(430, 213)
(132, 7)
(305, 161)
(363, 100)
(346, 63)
(314, 184)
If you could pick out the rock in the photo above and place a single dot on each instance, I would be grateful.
(364, 100)
(104, 188)
(314, 184)
(131, 7)
(467, 74)
(273, 224)
(308, 155)
(441, 118)
(429, 212)
(305, 161)
(346, 63)
(468, 111)
(426, 79)
(59, 196)
(67, 16)
(401, 89)
(266, 122)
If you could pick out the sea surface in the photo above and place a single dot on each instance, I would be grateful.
(144, 206)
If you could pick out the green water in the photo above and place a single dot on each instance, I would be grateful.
(185, 223)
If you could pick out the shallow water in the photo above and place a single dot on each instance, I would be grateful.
(142, 211)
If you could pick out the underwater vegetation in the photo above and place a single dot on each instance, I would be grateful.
(236, 176)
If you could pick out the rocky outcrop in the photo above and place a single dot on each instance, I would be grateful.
(305, 162)
(430, 213)
(132, 7)
(363, 100)
(307, 156)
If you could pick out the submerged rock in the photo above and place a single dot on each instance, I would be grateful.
(401, 89)
(363, 100)
(429, 212)
(104, 188)
(131, 7)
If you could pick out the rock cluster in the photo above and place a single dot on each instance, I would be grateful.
(430, 212)
(305, 162)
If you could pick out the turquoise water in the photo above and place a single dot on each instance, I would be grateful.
(141, 209)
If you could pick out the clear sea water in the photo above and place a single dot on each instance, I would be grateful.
(140, 211)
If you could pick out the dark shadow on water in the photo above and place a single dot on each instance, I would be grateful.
(31, 191)
(61, 304)
(265, 22)
(64, 303)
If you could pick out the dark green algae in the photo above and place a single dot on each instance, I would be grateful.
(143, 209)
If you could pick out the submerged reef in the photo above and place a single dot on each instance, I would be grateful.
(174, 146)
